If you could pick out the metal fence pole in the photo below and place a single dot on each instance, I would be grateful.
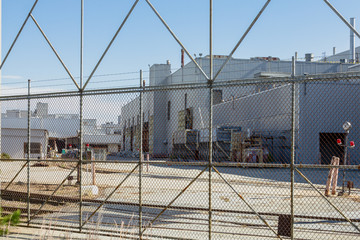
(28, 155)
(210, 113)
(211, 96)
(141, 154)
(81, 112)
(80, 161)
(293, 133)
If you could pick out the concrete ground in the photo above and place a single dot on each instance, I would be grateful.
(26, 233)
(250, 191)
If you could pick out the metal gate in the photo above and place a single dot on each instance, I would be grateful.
(242, 165)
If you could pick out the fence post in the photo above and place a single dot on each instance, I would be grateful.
(142, 85)
(210, 158)
(81, 112)
(28, 155)
(210, 81)
(293, 135)
(81, 161)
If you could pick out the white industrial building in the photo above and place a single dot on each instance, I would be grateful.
(265, 109)
(14, 142)
(61, 130)
(344, 56)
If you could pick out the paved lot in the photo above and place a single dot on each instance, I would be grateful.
(266, 191)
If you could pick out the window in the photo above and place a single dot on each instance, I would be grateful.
(168, 110)
(34, 148)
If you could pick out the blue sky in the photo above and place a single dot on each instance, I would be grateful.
(285, 27)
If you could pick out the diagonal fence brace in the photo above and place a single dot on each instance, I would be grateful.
(177, 40)
(248, 204)
(117, 187)
(182, 191)
(109, 45)
(52, 194)
(342, 18)
(18, 34)
(241, 39)
(53, 49)
(328, 201)
(17, 174)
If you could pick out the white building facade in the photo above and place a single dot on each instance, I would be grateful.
(265, 108)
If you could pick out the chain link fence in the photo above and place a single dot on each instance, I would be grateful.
(154, 174)
(260, 149)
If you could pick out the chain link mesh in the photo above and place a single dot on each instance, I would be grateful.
(245, 192)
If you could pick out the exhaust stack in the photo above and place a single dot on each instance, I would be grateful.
(352, 42)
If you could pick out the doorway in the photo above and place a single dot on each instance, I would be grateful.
(329, 147)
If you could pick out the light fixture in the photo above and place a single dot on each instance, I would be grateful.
(347, 126)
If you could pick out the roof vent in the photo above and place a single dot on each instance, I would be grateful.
(309, 57)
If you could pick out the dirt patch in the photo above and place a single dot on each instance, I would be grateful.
(355, 198)
(87, 168)
(71, 191)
